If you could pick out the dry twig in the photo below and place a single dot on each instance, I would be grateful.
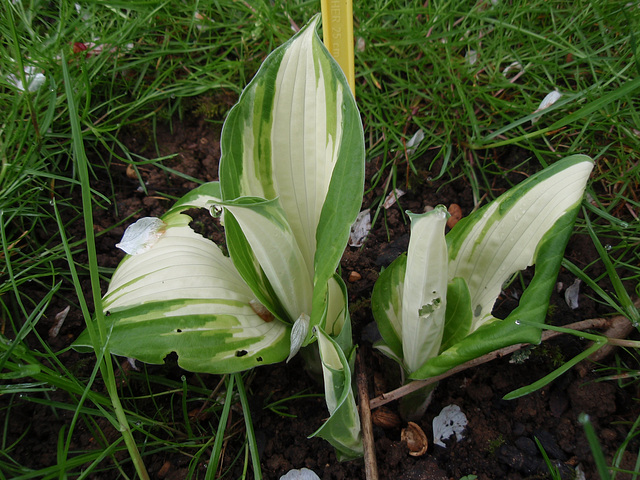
(370, 464)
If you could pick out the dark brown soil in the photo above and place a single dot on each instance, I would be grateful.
(499, 440)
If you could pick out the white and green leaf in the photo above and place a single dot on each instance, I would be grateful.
(424, 297)
(183, 295)
(477, 245)
(273, 244)
(342, 429)
(502, 238)
(296, 136)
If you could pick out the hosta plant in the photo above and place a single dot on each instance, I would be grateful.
(433, 306)
(291, 185)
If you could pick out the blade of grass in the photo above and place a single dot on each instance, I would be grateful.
(214, 461)
(628, 88)
(596, 449)
(251, 437)
(628, 308)
(99, 339)
(598, 342)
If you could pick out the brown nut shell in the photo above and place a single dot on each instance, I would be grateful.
(385, 418)
(415, 439)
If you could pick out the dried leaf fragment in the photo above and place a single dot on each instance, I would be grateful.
(260, 310)
(392, 198)
(360, 228)
(415, 439)
(60, 318)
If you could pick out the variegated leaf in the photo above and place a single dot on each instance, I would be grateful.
(342, 429)
(488, 247)
(296, 136)
(183, 295)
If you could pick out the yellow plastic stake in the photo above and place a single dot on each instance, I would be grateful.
(337, 27)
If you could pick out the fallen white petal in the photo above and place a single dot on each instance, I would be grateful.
(302, 474)
(298, 334)
(451, 420)
(471, 57)
(513, 66)
(34, 80)
(571, 294)
(141, 235)
(360, 228)
(413, 142)
(392, 197)
(550, 99)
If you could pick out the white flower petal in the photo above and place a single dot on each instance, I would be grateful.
(512, 66)
(141, 235)
(302, 474)
(414, 141)
(471, 57)
(550, 99)
(572, 293)
(451, 420)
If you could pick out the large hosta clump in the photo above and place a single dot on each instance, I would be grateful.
(291, 184)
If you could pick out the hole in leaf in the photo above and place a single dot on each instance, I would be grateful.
(178, 330)
(241, 353)
(259, 359)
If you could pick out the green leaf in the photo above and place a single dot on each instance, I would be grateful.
(296, 136)
(458, 315)
(386, 305)
(342, 429)
(183, 295)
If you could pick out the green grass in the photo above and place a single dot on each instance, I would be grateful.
(163, 61)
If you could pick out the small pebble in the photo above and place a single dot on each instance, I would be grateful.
(131, 172)
(354, 277)
(456, 214)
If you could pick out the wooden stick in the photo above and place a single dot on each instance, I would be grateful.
(370, 464)
(546, 335)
